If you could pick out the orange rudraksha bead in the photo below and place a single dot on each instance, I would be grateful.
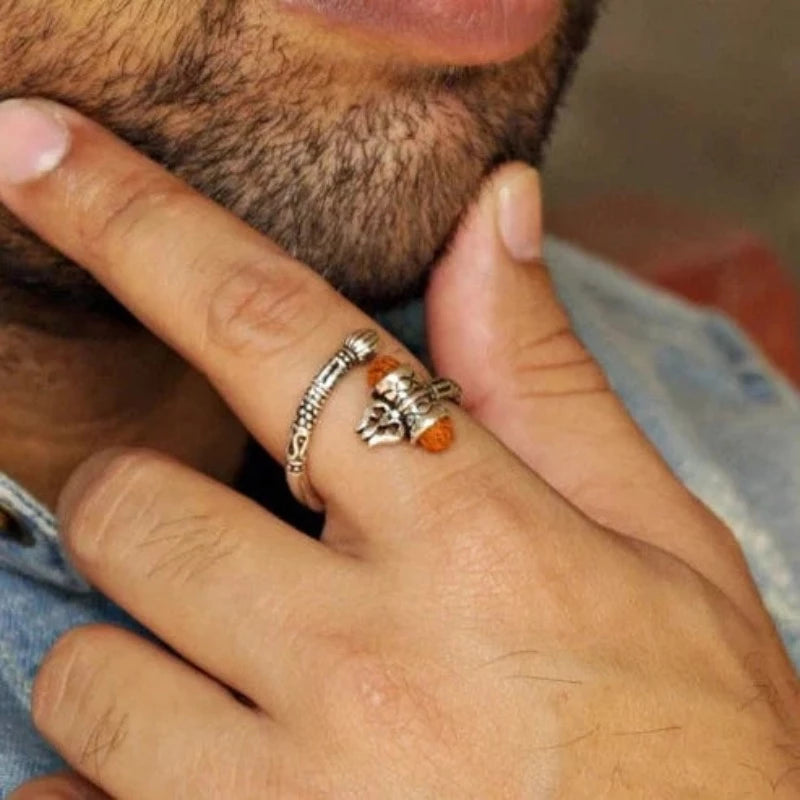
(439, 437)
(380, 368)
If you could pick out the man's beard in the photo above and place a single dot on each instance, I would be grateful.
(364, 180)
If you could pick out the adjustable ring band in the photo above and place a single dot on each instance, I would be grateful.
(358, 349)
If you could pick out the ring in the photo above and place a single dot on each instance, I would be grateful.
(359, 348)
(406, 408)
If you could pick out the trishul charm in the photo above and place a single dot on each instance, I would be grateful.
(405, 408)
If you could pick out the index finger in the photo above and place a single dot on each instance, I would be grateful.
(256, 322)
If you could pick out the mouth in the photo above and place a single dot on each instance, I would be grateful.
(457, 32)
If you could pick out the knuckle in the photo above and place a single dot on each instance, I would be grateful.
(476, 496)
(111, 498)
(374, 690)
(261, 309)
(492, 553)
(379, 692)
(65, 678)
(107, 732)
(484, 576)
(133, 202)
(183, 548)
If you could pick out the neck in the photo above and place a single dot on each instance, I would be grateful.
(65, 397)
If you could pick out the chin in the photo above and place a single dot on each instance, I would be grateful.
(370, 213)
(364, 176)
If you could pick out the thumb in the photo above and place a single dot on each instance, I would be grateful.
(497, 327)
(494, 318)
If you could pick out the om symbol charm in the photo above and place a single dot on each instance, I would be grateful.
(405, 408)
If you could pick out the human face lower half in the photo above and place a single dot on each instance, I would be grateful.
(352, 134)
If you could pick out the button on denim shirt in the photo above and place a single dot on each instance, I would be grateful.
(726, 422)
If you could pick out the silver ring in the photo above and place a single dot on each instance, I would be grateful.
(359, 348)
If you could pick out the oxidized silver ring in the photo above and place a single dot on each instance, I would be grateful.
(359, 348)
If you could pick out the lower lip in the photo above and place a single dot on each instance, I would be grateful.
(454, 31)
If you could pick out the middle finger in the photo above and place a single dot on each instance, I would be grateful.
(254, 320)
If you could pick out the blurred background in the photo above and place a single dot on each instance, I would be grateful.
(684, 124)
(696, 101)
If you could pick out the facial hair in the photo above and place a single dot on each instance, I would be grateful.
(361, 173)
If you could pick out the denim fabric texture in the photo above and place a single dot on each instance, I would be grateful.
(724, 419)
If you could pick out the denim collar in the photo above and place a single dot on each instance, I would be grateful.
(39, 555)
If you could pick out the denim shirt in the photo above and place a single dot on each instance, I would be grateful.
(724, 419)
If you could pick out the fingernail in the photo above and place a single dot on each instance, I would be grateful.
(519, 215)
(33, 141)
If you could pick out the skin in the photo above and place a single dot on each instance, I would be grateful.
(509, 619)
(525, 576)
(357, 154)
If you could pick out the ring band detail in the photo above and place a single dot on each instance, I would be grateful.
(358, 349)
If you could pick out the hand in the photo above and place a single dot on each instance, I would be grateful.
(563, 622)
